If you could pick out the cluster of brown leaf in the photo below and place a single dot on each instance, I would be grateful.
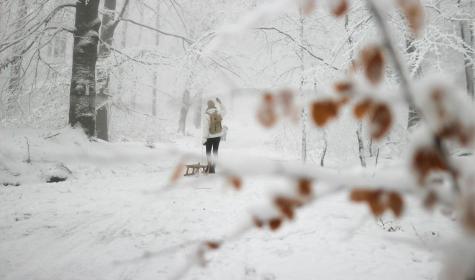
(426, 160)
(379, 201)
(379, 115)
(451, 126)
(287, 204)
(371, 62)
(275, 105)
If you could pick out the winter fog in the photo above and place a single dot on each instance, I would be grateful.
(237, 139)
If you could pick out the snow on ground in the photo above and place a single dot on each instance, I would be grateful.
(113, 208)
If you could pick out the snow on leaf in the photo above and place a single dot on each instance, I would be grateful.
(427, 159)
(449, 113)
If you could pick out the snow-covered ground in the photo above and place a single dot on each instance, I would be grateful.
(113, 219)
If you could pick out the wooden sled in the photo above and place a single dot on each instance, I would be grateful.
(194, 169)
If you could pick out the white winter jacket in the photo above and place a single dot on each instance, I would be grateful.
(205, 125)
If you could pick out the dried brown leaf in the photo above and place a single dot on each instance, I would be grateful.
(308, 7)
(235, 182)
(258, 222)
(426, 160)
(372, 59)
(304, 187)
(340, 8)
(275, 223)
(414, 13)
(395, 203)
(362, 108)
(287, 206)
(323, 111)
(360, 195)
(380, 120)
(213, 245)
(343, 87)
(430, 200)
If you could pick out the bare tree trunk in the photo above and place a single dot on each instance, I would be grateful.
(141, 11)
(361, 151)
(103, 77)
(123, 45)
(14, 84)
(325, 147)
(155, 75)
(83, 78)
(413, 117)
(198, 113)
(108, 27)
(359, 130)
(466, 33)
(301, 87)
(186, 102)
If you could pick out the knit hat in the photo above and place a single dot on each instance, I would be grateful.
(211, 104)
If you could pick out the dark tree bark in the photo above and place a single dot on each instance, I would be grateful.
(466, 32)
(108, 27)
(83, 78)
(413, 117)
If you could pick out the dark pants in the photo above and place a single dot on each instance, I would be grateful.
(212, 144)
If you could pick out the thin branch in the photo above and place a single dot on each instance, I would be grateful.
(299, 45)
(184, 39)
(406, 85)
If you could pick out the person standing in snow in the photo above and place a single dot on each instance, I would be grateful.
(213, 131)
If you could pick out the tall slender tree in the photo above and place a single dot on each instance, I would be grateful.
(155, 75)
(466, 32)
(14, 84)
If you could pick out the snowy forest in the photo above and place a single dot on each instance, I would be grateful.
(237, 139)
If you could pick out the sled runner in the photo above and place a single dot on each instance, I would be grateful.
(194, 169)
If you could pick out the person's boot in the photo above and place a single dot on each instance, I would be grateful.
(211, 170)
